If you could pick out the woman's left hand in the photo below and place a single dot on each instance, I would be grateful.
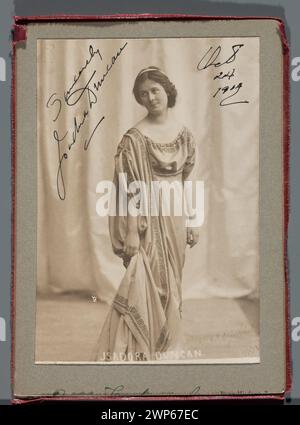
(192, 236)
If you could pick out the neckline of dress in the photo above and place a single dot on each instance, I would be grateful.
(161, 143)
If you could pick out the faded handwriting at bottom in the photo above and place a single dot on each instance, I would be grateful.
(119, 390)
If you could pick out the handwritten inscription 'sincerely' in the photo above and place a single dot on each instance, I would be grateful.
(211, 59)
(83, 91)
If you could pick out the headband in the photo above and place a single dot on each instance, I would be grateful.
(150, 68)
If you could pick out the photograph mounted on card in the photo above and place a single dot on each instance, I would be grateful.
(149, 213)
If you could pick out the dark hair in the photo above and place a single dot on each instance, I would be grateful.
(155, 74)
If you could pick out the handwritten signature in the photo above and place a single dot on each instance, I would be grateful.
(120, 389)
(87, 94)
(211, 59)
(117, 391)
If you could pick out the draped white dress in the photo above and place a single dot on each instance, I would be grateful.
(145, 319)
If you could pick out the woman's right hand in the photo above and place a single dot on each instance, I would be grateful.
(132, 244)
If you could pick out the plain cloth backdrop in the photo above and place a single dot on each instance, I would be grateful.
(74, 248)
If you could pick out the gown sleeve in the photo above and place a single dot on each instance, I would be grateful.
(191, 156)
(127, 170)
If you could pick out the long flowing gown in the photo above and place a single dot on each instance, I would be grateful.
(144, 320)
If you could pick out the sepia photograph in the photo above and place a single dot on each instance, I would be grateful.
(148, 201)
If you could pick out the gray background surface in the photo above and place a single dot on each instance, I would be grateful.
(265, 377)
(288, 10)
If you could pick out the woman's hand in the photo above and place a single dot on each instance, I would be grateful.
(192, 236)
(132, 244)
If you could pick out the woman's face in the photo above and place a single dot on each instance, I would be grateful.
(153, 96)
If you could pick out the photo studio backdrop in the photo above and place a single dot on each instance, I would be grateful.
(75, 252)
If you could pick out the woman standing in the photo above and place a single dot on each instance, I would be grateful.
(144, 321)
